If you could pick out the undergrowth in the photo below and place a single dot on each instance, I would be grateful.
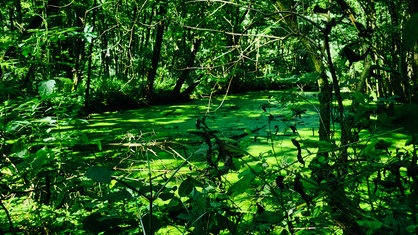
(208, 183)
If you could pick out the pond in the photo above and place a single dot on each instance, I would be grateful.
(260, 115)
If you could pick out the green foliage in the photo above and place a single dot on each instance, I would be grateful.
(410, 32)
(99, 174)
(264, 194)
(242, 185)
(59, 62)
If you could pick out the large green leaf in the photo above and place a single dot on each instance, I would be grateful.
(41, 158)
(99, 174)
(186, 187)
(46, 88)
(242, 185)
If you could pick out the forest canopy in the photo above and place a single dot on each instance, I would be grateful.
(113, 52)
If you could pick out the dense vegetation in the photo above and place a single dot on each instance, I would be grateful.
(116, 117)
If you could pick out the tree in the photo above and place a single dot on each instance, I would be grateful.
(161, 12)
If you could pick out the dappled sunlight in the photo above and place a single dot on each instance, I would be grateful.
(208, 117)
(103, 124)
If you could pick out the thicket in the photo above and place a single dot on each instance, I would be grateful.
(62, 61)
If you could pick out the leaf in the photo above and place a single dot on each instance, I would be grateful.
(99, 174)
(65, 80)
(241, 185)
(166, 196)
(307, 143)
(117, 196)
(46, 88)
(163, 155)
(60, 198)
(99, 145)
(98, 223)
(411, 229)
(20, 150)
(299, 155)
(5, 171)
(186, 187)
(42, 157)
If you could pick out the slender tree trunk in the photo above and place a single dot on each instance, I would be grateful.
(89, 66)
(145, 42)
(325, 89)
(78, 50)
(344, 210)
(325, 95)
(344, 124)
(414, 10)
(149, 88)
(399, 80)
(105, 56)
(415, 65)
(186, 72)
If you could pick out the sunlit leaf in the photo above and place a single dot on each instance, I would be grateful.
(46, 88)
(64, 80)
(241, 185)
(6, 171)
(99, 145)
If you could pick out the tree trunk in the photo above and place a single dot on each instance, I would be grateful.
(415, 65)
(89, 68)
(186, 72)
(149, 88)
(344, 210)
(78, 50)
(414, 10)
(325, 95)
(144, 42)
(325, 89)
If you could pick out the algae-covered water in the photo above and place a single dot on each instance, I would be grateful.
(271, 115)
